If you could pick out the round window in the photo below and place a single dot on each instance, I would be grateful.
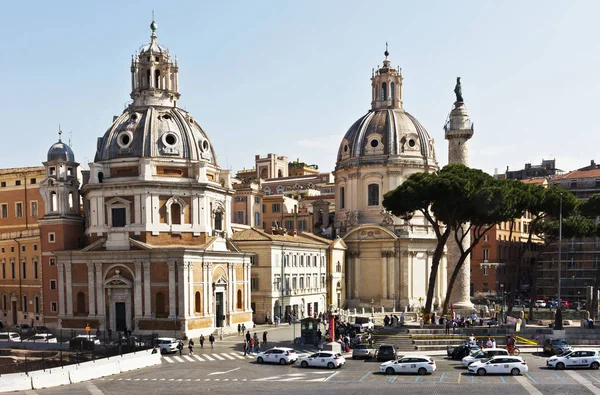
(345, 148)
(411, 143)
(205, 145)
(374, 143)
(124, 139)
(170, 139)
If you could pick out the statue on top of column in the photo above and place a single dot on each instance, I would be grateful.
(458, 91)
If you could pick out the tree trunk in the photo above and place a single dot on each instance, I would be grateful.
(435, 263)
(457, 268)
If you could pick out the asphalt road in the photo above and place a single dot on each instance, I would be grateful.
(224, 370)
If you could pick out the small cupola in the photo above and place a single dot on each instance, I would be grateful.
(386, 83)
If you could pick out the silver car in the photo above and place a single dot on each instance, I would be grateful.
(364, 351)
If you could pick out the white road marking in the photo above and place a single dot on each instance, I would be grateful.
(218, 357)
(228, 371)
(93, 389)
(266, 378)
(188, 358)
(178, 359)
(238, 355)
(169, 360)
(199, 358)
(228, 356)
(208, 357)
(531, 390)
(575, 376)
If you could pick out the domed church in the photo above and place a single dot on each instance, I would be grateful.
(154, 254)
(388, 259)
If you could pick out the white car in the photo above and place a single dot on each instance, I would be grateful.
(91, 338)
(166, 344)
(483, 354)
(323, 359)
(499, 365)
(586, 358)
(9, 337)
(421, 364)
(41, 338)
(280, 355)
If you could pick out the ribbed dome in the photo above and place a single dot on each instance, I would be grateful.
(61, 151)
(151, 132)
(386, 134)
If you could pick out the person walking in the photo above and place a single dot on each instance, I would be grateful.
(211, 339)
(239, 329)
(319, 335)
(201, 341)
(180, 347)
(248, 336)
(250, 345)
(245, 348)
(191, 346)
(255, 338)
(243, 328)
(265, 338)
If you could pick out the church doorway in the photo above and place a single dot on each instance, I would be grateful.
(219, 309)
(120, 317)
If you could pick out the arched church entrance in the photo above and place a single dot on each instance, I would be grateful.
(118, 291)
(220, 292)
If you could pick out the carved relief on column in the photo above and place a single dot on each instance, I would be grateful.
(61, 289)
(137, 287)
(91, 286)
(147, 291)
(69, 285)
(100, 290)
(172, 305)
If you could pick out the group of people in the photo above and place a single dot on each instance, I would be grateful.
(252, 344)
(389, 320)
(191, 344)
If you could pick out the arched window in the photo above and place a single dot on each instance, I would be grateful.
(100, 177)
(218, 220)
(197, 306)
(263, 173)
(393, 90)
(81, 303)
(279, 173)
(160, 303)
(53, 201)
(175, 214)
(239, 299)
(342, 197)
(383, 91)
(148, 78)
(71, 204)
(157, 79)
(373, 195)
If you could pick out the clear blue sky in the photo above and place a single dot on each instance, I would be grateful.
(291, 77)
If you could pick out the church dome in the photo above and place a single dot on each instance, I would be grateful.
(151, 132)
(61, 152)
(386, 133)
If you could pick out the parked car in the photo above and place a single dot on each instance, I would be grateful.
(461, 351)
(539, 303)
(166, 344)
(280, 355)
(365, 351)
(484, 353)
(41, 329)
(323, 359)
(23, 329)
(386, 352)
(91, 338)
(10, 337)
(421, 364)
(362, 324)
(42, 338)
(499, 365)
(586, 358)
(556, 346)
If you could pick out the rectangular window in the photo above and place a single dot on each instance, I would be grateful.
(289, 225)
(342, 197)
(35, 247)
(33, 181)
(52, 262)
(53, 307)
(12, 249)
(12, 269)
(24, 269)
(256, 218)
(264, 208)
(485, 287)
(34, 208)
(485, 237)
(257, 200)
(51, 237)
(301, 282)
(53, 284)
(4, 270)
(240, 217)
(276, 208)
(52, 170)
(301, 260)
(4, 303)
(254, 260)
(4, 210)
(118, 217)
(308, 282)
(18, 182)
(323, 281)
(373, 195)
(24, 304)
(35, 269)
(484, 270)
(254, 284)
(36, 304)
(3, 184)
(294, 282)
(23, 248)
(486, 254)
(302, 224)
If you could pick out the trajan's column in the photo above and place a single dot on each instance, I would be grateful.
(458, 130)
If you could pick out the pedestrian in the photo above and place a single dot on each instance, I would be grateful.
(319, 335)
(590, 323)
(255, 338)
(257, 346)
(448, 323)
(245, 348)
(191, 346)
(494, 343)
(402, 318)
(250, 345)
(211, 339)
(109, 333)
(201, 341)
(248, 336)
(239, 329)
(386, 321)
(180, 347)
(488, 343)
(154, 350)
(267, 321)
(243, 328)
(265, 338)
(98, 332)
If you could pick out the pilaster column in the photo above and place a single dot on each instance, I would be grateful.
(69, 285)
(191, 298)
(91, 285)
(234, 283)
(172, 305)
(231, 288)
(384, 275)
(248, 270)
(99, 290)
(357, 275)
(61, 289)
(137, 301)
(392, 290)
(147, 292)
(411, 261)
(182, 285)
(209, 289)
(205, 288)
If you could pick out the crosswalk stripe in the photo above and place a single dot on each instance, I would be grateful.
(168, 360)
(250, 356)
(178, 359)
(228, 356)
(188, 358)
(238, 355)
(199, 358)
(208, 357)
(218, 357)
